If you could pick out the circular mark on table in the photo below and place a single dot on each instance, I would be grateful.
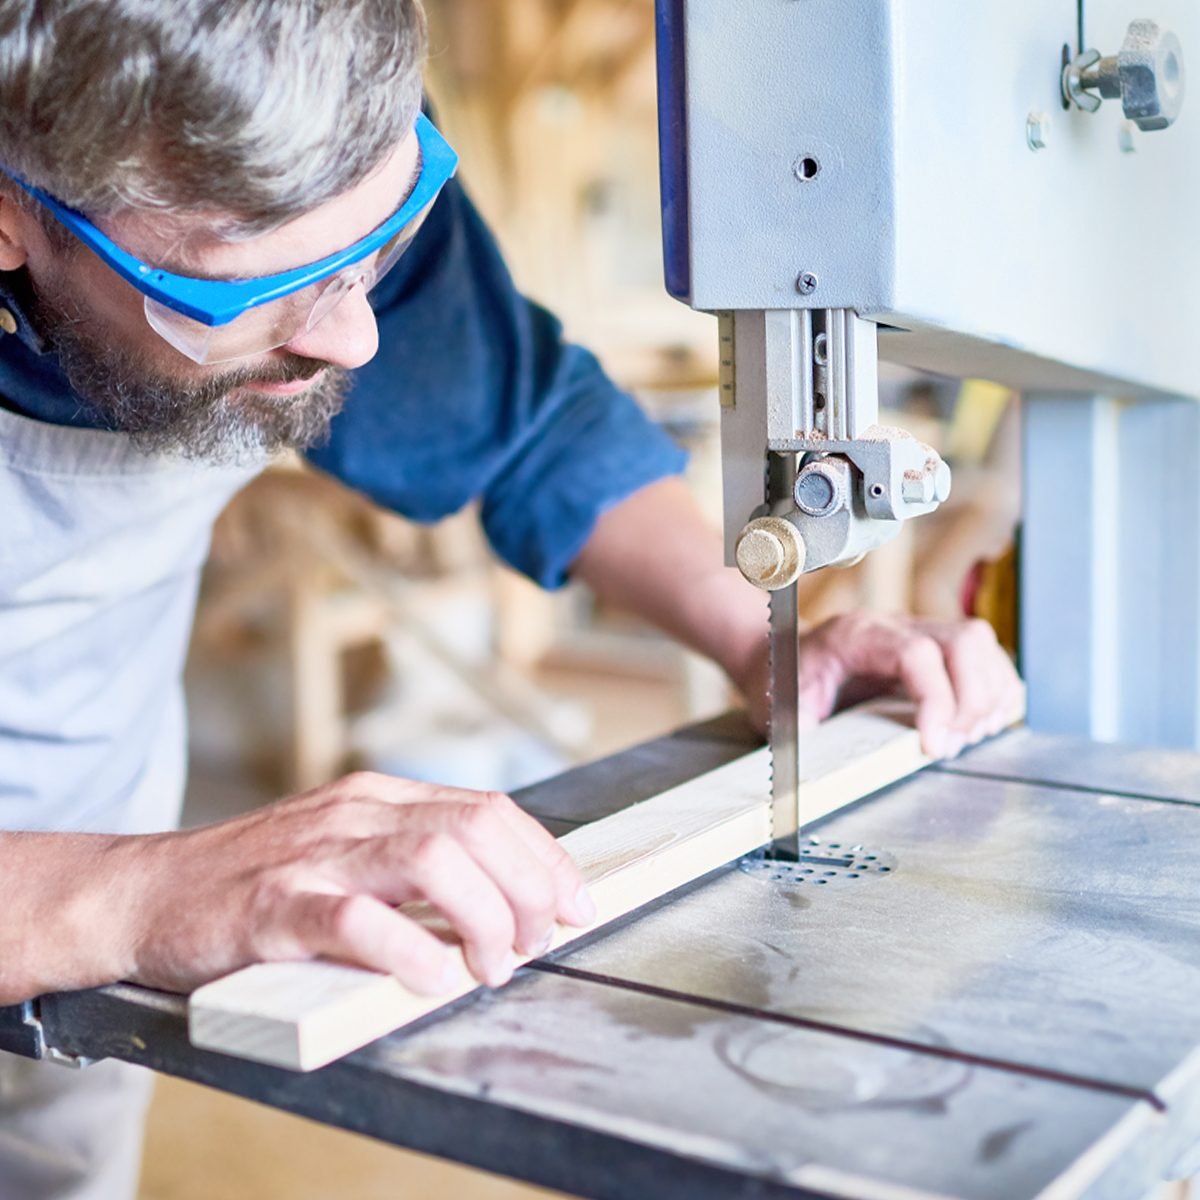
(824, 1072)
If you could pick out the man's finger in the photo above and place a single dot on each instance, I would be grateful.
(518, 855)
(575, 905)
(486, 832)
(435, 867)
(987, 686)
(520, 862)
(972, 657)
(365, 932)
(921, 668)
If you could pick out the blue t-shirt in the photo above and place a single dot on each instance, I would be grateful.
(473, 395)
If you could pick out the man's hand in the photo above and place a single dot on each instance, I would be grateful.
(655, 555)
(318, 876)
(962, 681)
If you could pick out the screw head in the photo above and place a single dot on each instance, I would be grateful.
(806, 283)
(1037, 128)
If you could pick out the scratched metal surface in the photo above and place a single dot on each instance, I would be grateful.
(1055, 929)
(826, 1114)
(1047, 929)
(1077, 762)
(611, 1095)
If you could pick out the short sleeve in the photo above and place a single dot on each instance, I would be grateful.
(475, 395)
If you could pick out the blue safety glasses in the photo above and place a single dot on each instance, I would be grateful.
(217, 320)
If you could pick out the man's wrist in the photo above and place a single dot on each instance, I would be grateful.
(732, 617)
(72, 910)
(122, 885)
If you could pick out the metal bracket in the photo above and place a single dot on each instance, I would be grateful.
(22, 1032)
(73, 1062)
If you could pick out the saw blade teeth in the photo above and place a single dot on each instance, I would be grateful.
(783, 698)
(771, 706)
(783, 677)
(771, 702)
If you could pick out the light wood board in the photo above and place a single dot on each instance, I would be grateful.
(302, 1015)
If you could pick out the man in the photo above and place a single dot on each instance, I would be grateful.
(197, 198)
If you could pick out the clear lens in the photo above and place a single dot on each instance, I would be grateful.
(368, 273)
(254, 332)
(273, 325)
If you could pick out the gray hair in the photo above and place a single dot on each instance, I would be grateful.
(256, 110)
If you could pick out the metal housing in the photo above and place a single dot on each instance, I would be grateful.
(881, 149)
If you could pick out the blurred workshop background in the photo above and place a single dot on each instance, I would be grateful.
(331, 635)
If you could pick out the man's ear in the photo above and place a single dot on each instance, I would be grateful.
(14, 250)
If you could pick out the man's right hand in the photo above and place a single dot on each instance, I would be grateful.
(318, 875)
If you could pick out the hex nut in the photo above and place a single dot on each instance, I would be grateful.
(1152, 75)
(930, 486)
(917, 489)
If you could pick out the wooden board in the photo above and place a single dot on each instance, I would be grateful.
(302, 1015)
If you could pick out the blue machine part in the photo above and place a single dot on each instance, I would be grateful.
(672, 140)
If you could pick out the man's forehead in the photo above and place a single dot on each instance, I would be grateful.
(193, 245)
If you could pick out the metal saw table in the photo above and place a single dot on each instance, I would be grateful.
(999, 998)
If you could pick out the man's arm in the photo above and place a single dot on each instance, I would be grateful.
(313, 876)
(475, 395)
(655, 555)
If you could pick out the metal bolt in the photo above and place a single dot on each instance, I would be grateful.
(815, 493)
(1147, 75)
(820, 489)
(1150, 76)
(931, 485)
(1037, 127)
(806, 283)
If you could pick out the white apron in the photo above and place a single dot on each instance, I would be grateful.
(100, 555)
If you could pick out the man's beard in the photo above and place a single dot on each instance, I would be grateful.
(207, 420)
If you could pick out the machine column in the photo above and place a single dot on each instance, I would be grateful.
(1110, 571)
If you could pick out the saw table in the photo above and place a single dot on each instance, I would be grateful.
(982, 982)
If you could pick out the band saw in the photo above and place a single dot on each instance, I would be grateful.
(981, 981)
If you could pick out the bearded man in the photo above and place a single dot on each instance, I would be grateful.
(226, 228)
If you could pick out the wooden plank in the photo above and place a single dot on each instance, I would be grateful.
(302, 1015)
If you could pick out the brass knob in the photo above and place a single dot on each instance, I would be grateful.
(770, 553)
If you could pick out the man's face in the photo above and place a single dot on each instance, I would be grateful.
(96, 324)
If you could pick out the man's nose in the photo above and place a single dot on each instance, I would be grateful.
(346, 337)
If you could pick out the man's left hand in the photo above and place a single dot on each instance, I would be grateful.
(962, 681)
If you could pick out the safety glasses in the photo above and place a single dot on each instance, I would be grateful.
(217, 320)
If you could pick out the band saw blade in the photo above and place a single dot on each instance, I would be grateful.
(783, 694)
